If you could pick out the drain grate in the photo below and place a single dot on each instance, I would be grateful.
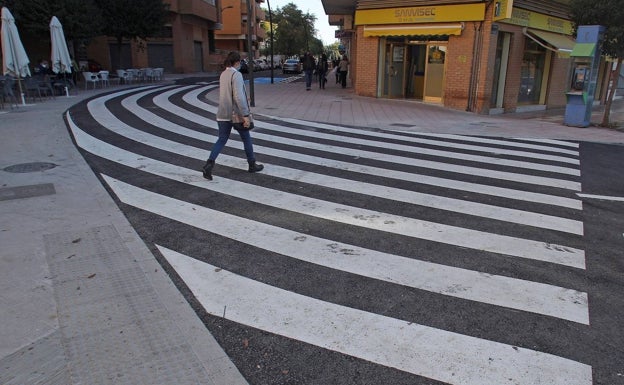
(29, 167)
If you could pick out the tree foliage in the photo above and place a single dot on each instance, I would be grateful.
(80, 18)
(85, 19)
(609, 13)
(294, 32)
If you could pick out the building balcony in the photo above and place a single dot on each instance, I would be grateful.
(261, 33)
(200, 8)
(260, 14)
(337, 20)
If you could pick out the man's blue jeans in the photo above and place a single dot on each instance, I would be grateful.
(225, 129)
(308, 78)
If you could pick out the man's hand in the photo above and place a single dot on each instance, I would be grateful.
(246, 121)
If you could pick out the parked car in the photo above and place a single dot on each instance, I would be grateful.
(291, 66)
(261, 64)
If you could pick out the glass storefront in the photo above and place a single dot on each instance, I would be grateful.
(500, 69)
(412, 69)
(531, 73)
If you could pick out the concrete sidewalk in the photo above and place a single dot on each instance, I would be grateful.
(83, 300)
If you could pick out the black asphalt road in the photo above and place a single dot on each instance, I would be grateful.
(387, 180)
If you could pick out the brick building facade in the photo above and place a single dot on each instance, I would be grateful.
(486, 57)
(192, 41)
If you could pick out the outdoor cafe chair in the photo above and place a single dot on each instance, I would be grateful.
(31, 88)
(7, 83)
(63, 84)
(125, 76)
(148, 74)
(132, 74)
(158, 73)
(104, 78)
(90, 77)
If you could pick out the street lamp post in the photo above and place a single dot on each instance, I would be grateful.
(271, 32)
(250, 64)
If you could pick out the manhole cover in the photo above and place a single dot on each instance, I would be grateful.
(29, 167)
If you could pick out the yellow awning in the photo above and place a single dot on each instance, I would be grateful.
(414, 30)
(556, 42)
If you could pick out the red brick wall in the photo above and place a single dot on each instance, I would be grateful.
(366, 64)
(558, 82)
(460, 61)
(512, 83)
(458, 68)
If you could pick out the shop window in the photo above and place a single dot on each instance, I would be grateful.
(531, 73)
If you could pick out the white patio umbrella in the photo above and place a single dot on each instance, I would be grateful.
(14, 59)
(61, 62)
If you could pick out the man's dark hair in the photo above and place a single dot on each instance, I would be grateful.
(232, 58)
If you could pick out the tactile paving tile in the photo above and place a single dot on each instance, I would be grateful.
(42, 362)
(114, 327)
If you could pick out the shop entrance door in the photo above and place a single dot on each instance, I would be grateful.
(434, 73)
(394, 70)
(413, 70)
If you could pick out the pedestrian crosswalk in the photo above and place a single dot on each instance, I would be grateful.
(434, 258)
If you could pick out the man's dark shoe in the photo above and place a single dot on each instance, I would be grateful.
(255, 167)
(207, 169)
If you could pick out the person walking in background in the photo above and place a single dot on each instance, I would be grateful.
(336, 65)
(308, 69)
(343, 66)
(321, 70)
(232, 100)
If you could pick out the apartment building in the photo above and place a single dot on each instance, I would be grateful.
(191, 42)
(232, 36)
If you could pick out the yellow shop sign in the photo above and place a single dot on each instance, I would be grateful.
(536, 20)
(431, 14)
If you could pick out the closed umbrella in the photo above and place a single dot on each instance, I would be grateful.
(14, 59)
(61, 62)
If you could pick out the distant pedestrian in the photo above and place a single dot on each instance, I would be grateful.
(308, 69)
(232, 100)
(336, 69)
(343, 66)
(321, 70)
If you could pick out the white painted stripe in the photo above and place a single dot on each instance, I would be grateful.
(415, 139)
(163, 102)
(461, 283)
(504, 142)
(425, 351)
(192, 99)
(552, 141)
(601, 197)
(442, 203)
(110, 121)
(419, 139)
(453, 235)
(410, 227)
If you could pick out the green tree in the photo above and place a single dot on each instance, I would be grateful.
(80, 18)
(610, 14)
(132, 19)
(295, 32)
